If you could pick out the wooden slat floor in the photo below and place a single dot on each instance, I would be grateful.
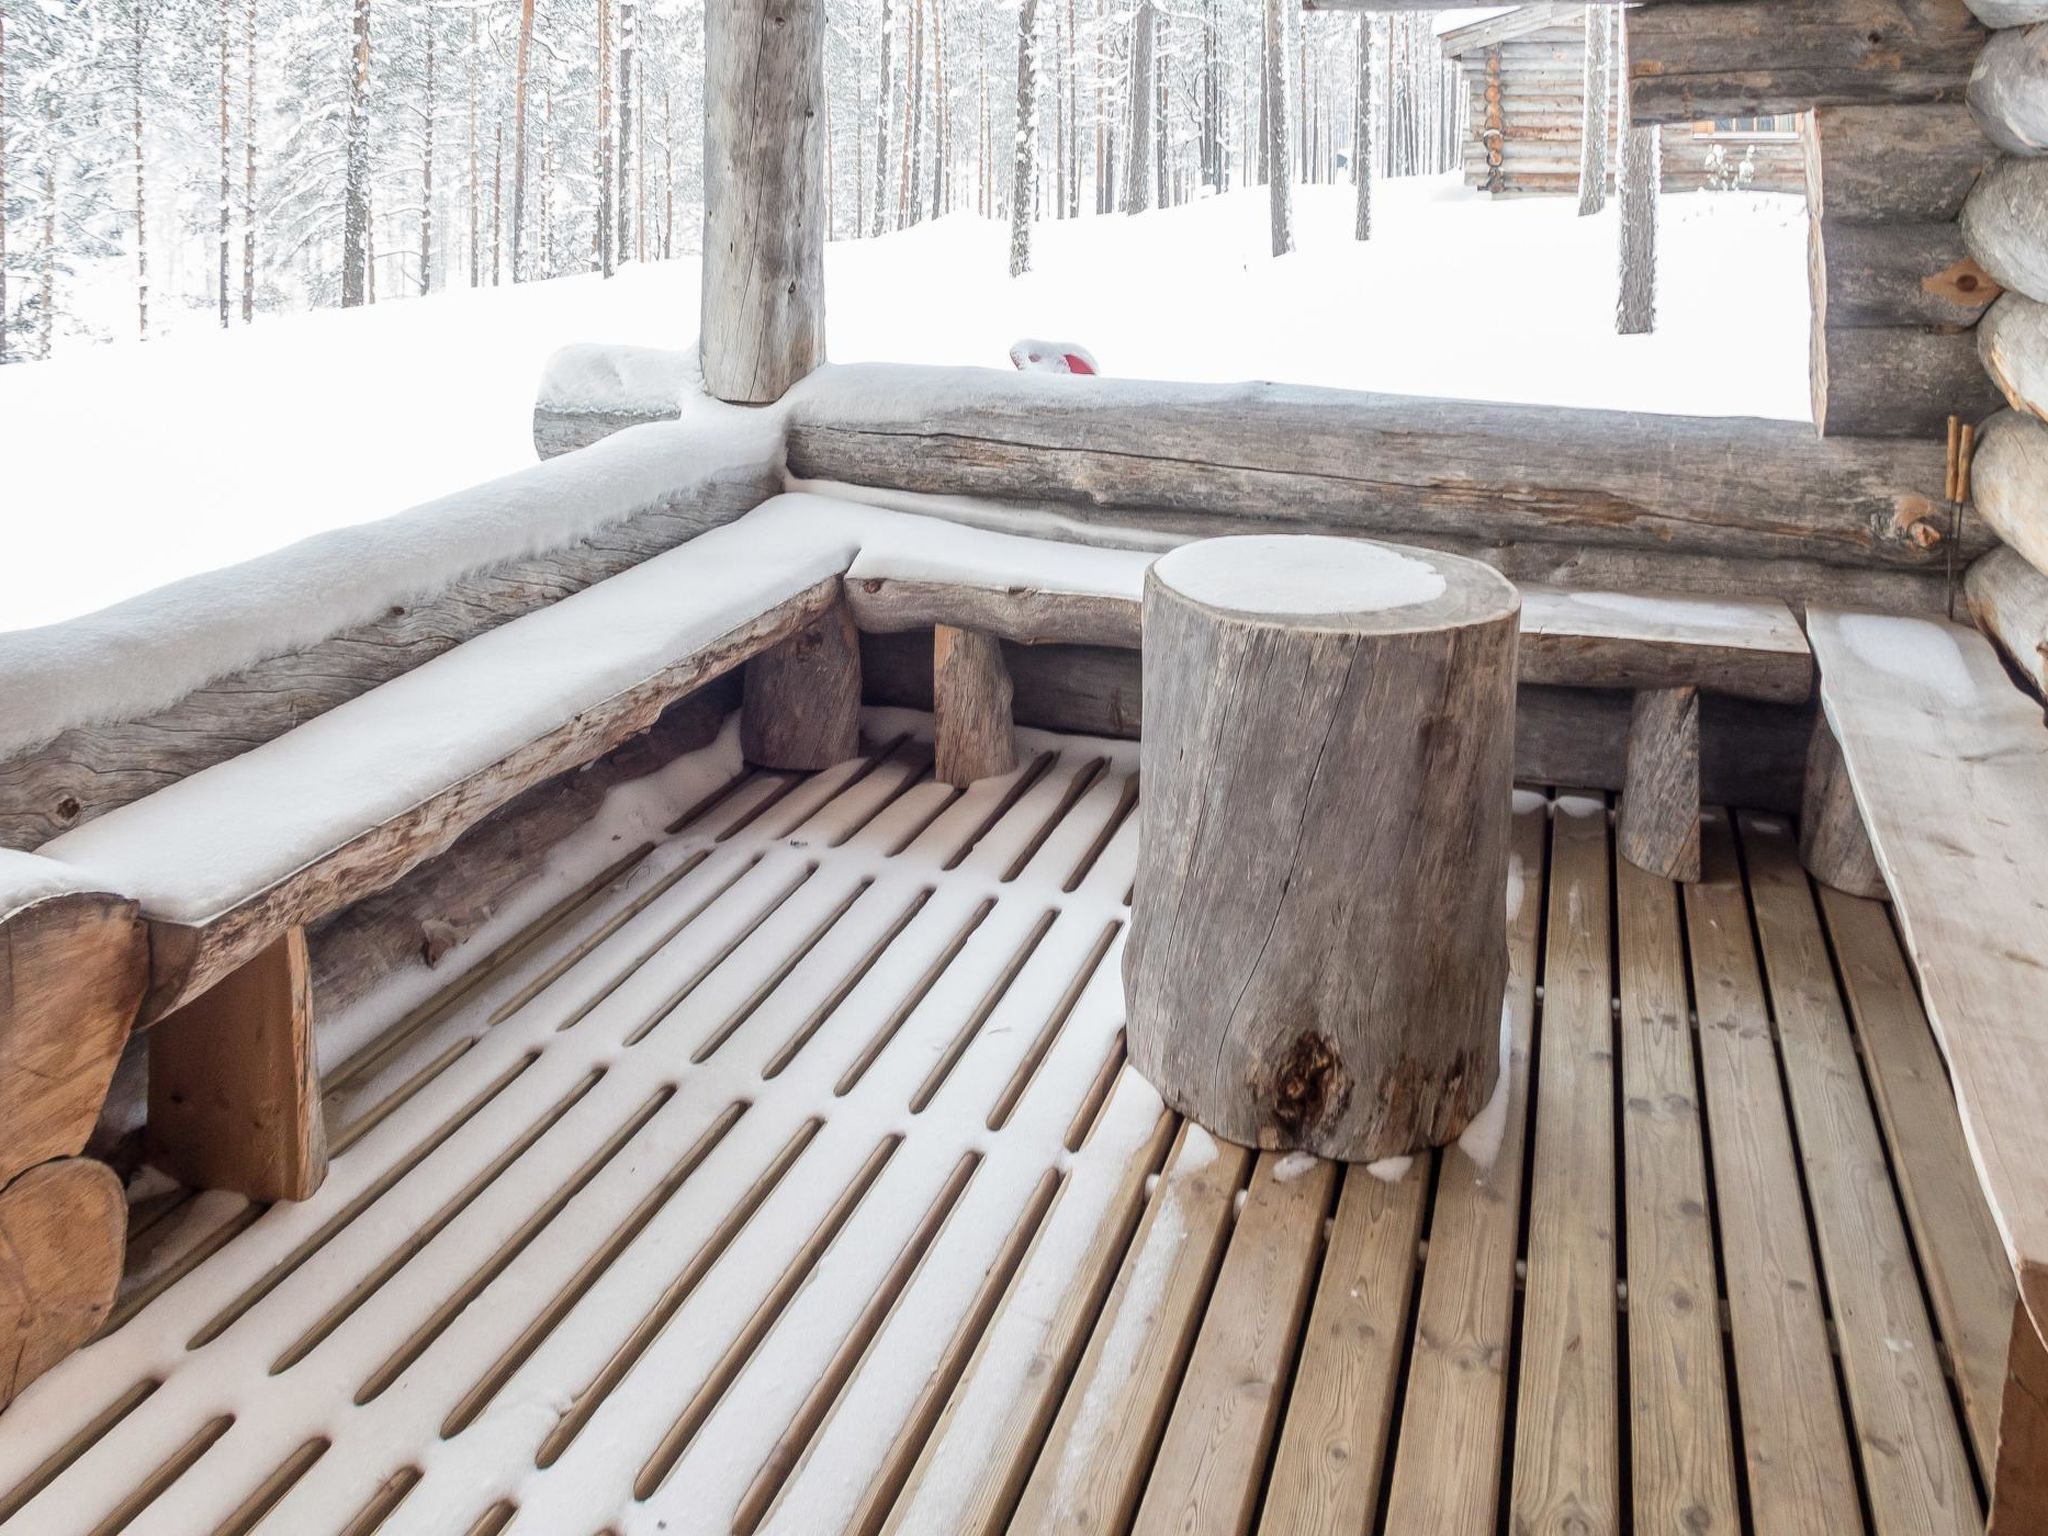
(790, 1179)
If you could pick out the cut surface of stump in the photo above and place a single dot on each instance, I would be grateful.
(63, 1231)
(1317, 952)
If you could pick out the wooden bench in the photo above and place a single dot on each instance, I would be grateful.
(1946, 763)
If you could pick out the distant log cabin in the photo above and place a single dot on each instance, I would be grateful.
(1524, 68)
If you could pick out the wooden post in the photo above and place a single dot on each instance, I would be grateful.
(63, 1232)
(976, 738)
(801, 709)
(234, 1090)
(763, 312)
(1832, 843)
(72, 972)
(1317, 951)
(2019, 1487)
(1658, 826)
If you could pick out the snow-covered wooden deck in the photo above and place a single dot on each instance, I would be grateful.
(789, 1179)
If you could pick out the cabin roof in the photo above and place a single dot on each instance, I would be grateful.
(1505, 24)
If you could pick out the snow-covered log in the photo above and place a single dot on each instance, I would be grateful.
(1748, 58)
(109, 708)
(2013, 342)
(2009, 483)
(2005, 224)
(1896, 382)
(2009, 90)
(590, 390)
(1198, 458)
(2009, 600)
(1894, 274)
(1892, 164)
(763, 312)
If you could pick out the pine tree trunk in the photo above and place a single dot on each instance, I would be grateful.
(141, 181)
(625, 154)
(1073, 115)
(1162, 179)
(355, 196)
(227, 181)
(942, 118)
(668, 176)
(1138, 178)
(519, 68)
(1279, 185)
(1361, 149)
(475, 261)
(497, 197)
(1059, 113)
(1593, 135)
(1635, 311)
(249, 163)
(913, 139)
(46, 332)
(427, 169)
(878, 212)
(4, 312)
(1024, 171)
(605, 145)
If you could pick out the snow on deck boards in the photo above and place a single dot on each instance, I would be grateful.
(791, 1180)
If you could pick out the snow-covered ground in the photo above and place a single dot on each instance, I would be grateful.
(130, 466)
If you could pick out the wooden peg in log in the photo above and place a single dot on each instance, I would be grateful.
(975, 736)
(1658, 825)
(2005, 225)
(2012, 343)
(801, 709)
(2009, 90)
(63, 1233)
(1832, 843)
(1317, 951)
(2009, 482)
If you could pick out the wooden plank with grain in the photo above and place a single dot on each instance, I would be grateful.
(1794, 1442)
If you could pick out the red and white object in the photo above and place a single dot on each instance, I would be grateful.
(1033, 356)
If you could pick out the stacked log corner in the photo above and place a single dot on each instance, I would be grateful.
(72, 973)
(763, 309)
(1317, 950)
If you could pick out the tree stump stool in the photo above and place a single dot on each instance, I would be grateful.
(1318, 950)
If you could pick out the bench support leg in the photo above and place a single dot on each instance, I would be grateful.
(234, 1092)
(1832, 843)
(2019, 1489)
(971, 705)
(801, 709)
(1658, 827)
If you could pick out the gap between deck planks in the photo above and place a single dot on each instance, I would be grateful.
(1067, 1313)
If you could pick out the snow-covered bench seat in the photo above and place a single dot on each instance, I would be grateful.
(1947, 761)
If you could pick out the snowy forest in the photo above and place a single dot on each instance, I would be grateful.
(172, 163)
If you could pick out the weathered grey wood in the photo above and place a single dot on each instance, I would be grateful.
(1894, 274)
(590, 390)
(2013, 344)
(763, 310)
(1316, 954)
(1657, 827)
(2009, 600)
(1753, 754)
(1691, 61)
(1832, 843)
(1896, 383)
(1199, 456)
(882, 604)
(448, 898)
(86, 772)
(2009, 90)
(1650, 640)
(1598, 28)
(1638, 179)
(802, 704)
(185, 960)
(974, 735)
(2005, 224)
(2009, 483)
(1911, 164)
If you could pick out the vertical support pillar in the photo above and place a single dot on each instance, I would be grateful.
(1832, 843)
(1658, 825)
(762, 323)
(234, 1090)
(971, 696)
(801, 706)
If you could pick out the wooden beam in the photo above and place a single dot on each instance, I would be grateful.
(2009, 90)
(1027, 615)
(2009, 600)
(1885, 165)
(763, 310)
(2019, 1484)
(1896, 382)
(1202, 458)
(2003, 228)
(185, 959)
(971, 701)
(1832, 843)
(72, 970)
(234, 1089)
(2013, 344)
(1895, 274)
(802, 707)
(1755, 57)
(63, 1230)
(1658, 824)
(2009, 483)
